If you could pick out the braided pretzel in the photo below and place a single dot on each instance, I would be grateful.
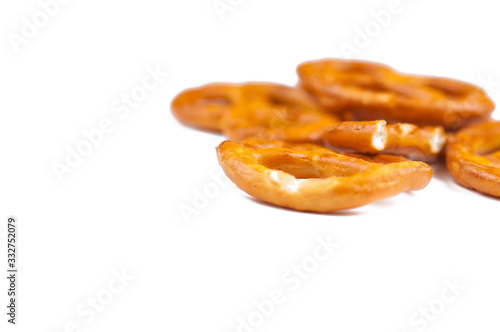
(471, 160)
(309, 177)
(375, 91)
(376, 137)
(267, 111)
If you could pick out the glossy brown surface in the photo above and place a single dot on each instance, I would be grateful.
(374, 91)
(263, 110)
(312, 178)
(418, 143)
(473, 157)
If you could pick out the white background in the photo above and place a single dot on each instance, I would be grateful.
(119, 209)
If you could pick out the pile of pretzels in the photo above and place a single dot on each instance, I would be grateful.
(350, 133)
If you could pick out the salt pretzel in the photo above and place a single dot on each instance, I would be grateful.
(204, 107)
(267, 111)
(473, 157)
(360, 136)
(309, 177)
(377, 92)
(418, 143)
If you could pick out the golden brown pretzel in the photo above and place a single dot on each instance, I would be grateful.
(377, 92)
(312, 178)
(472, 159)
(203, 107)
(263, 110)
(360, 136)
(418, 143)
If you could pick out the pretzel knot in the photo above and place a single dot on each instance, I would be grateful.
(473, 157)
(418, 143)
(266, 111)
(309, 177)
(377, 92)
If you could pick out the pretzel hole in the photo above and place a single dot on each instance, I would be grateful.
(303, 167)
(214, 101)
(488, 151)
(449, 89)
(289, 116)
(284, 104)
(377, 88)
(494, 158)
(275, 100)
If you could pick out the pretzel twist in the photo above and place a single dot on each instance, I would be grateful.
(418, 143)
(312, 178)
(377, 92)
(473, 157)
(267, 111)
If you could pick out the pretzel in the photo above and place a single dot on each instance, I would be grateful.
(377, 92)
(472, 160)
(377, 137)
(360, 136)
(267, 111)
(204, 107)
(309, 177)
